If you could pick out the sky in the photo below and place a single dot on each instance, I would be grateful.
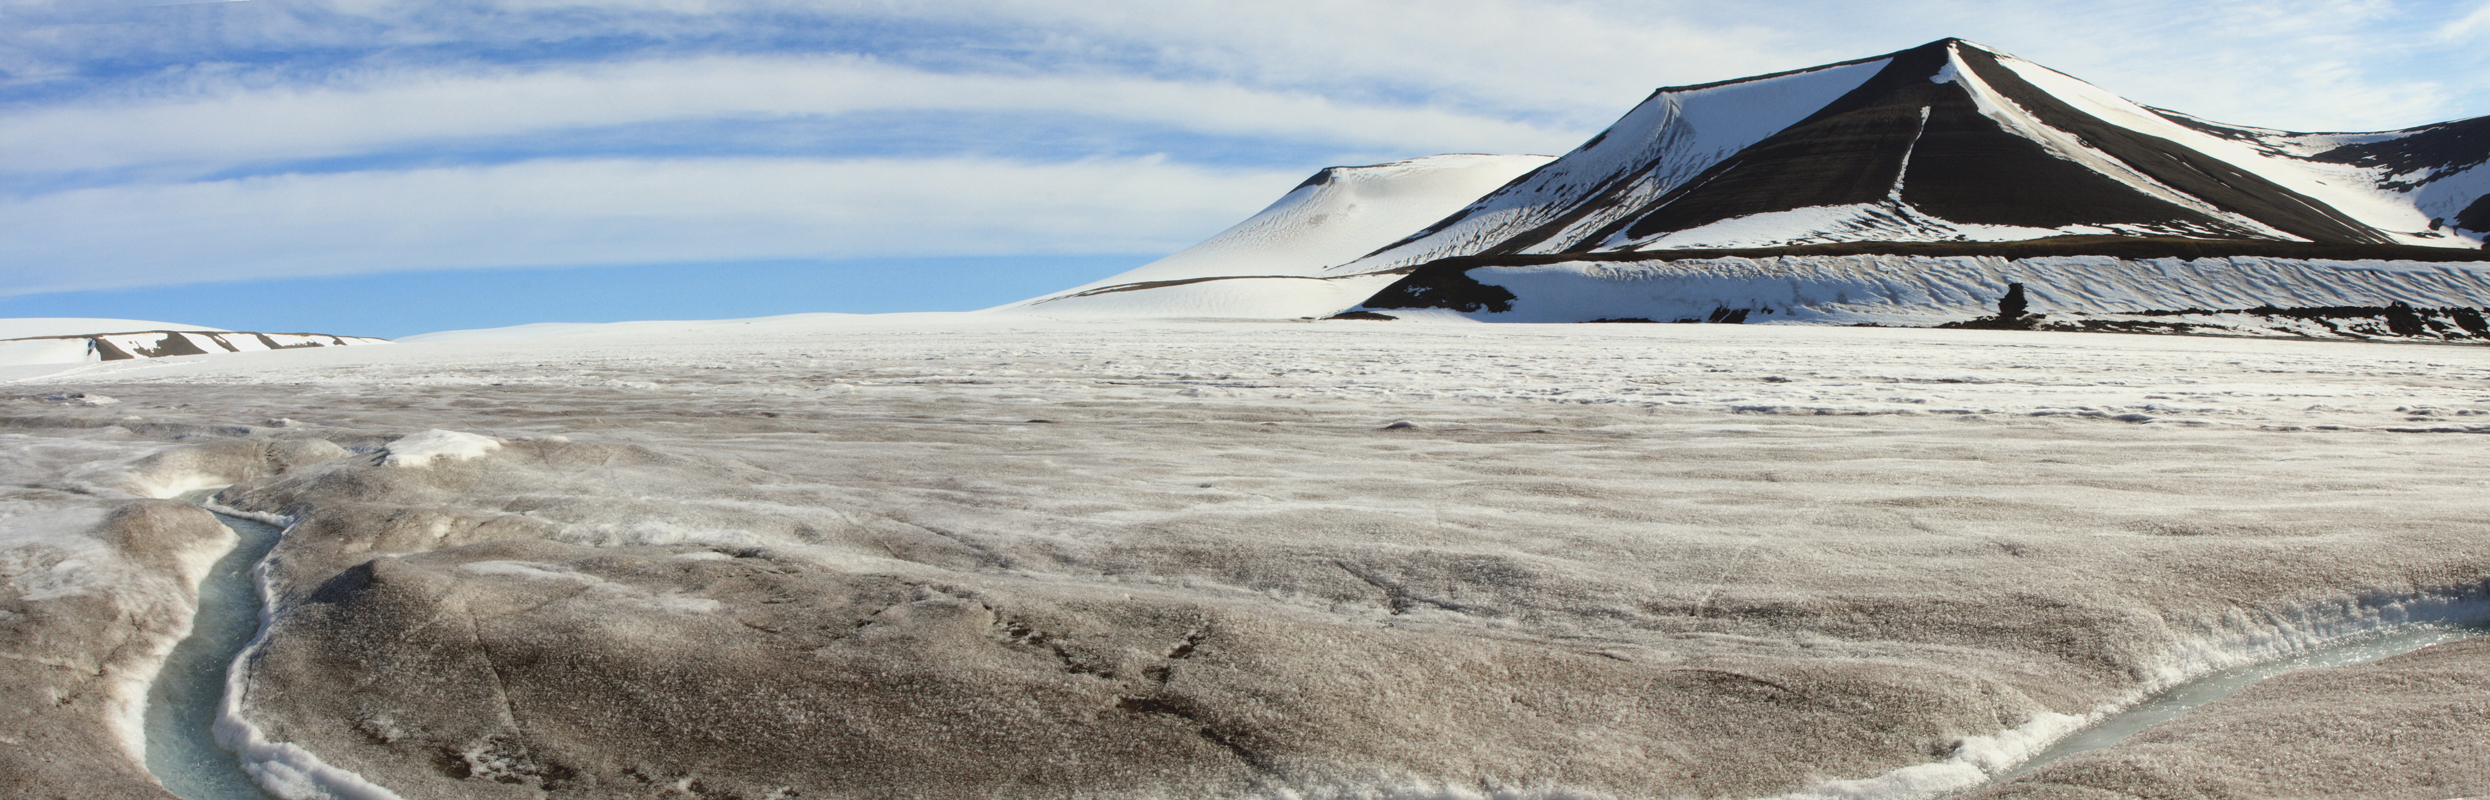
(373, 167)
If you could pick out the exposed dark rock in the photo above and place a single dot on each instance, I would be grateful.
(2180, 167)
(1728, 316)
(1853, 151)
(2010, 315)
(2013, 304)
(174, 344)
(2476, 218)
(1444, 284)
(105, 350)
(2443, 149)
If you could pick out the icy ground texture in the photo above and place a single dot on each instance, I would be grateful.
(2274, 736)
(957, 556)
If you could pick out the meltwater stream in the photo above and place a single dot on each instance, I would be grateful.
(2180, 699)
(183, 703)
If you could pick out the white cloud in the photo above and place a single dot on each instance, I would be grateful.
(552, 213)
(2473, 26)
(1405, 76)
(219, 126)
(1514, 56)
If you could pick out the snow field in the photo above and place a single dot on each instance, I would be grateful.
(1910, 291)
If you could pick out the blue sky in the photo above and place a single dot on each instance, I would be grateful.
(386, 168)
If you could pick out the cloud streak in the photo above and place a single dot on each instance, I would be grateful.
(215, 129)
(588, 212)
(273, 138)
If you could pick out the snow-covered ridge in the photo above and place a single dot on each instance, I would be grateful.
(1669, 139)
(1947, 142)
(1270, 265)
(120, 346)
(2006, 149)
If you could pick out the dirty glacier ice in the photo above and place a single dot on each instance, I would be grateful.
(889, 557)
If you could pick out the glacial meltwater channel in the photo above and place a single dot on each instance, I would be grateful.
(2180, 699)
(187, 695)
(183, 703)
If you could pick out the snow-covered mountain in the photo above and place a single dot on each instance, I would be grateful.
(1952, 141)
(1949, 145)
(1273, 264)
(70, 340)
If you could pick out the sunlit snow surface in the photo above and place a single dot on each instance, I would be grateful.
(1677, 499)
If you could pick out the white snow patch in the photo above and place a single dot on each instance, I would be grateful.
(45, 351)
(420, 449)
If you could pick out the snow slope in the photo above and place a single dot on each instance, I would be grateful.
(1272, 264)
(1670, 138)
(1924, 291)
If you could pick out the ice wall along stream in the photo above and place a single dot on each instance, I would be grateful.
(2180, 699)
(182, 704)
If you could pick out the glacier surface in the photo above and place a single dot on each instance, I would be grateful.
(990, 554)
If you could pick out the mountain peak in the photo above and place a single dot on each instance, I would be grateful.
(1953, 141)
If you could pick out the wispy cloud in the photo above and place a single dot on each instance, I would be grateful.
(209, 128)
(553, 213)
(294, 137)
(2471, 28)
